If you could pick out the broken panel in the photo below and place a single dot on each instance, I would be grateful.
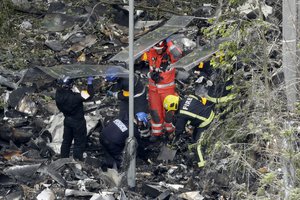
(147, 41)
(82, 70)
(198, 55)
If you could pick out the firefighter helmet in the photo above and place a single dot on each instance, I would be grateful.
(171, 102)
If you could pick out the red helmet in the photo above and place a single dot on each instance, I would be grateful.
(159, 45)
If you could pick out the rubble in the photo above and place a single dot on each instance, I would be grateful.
(95, 36)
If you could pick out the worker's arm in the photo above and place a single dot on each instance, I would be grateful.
(179, 128)
(174, 51)
(180, 125)
(120, 90)
(89, 93)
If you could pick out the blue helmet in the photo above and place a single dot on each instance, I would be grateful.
(111, 74)
(142, 117)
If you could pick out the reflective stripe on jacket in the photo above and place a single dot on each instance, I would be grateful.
(206, 121)
(198, 111)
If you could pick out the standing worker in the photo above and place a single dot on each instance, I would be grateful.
(120, 90)
(161, 82)
(69, 101)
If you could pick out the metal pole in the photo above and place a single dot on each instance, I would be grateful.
(289, 47)
(131, 168)
(290, 69)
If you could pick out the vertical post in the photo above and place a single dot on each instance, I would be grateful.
(131, 169)
(289, 60)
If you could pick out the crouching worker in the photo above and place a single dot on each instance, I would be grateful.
(69, 100)
(114, 135)
(193, 115)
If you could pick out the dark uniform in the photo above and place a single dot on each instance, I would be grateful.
(195, 111)
(113, 138)
(220, 91)
(121, 90)
(71, 105)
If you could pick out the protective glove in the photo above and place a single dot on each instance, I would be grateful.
(164, 66)
(189, 130)
(173, 138)
(90, 80)
(112, 94)
(209, 83)
(200, 79)
(155, 76)
(173, 143)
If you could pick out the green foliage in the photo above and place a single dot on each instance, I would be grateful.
(268, 178)
(296, 162)
(6, 25)
(295, 194)
(235, 3)
(2, 104)
(255, 128)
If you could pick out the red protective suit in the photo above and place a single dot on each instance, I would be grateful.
(158, 91)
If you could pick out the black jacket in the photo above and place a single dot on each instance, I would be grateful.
(195, 106)
(122, 85)
(117, 132)
(71, 103)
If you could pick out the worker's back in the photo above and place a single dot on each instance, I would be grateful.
(70, 103)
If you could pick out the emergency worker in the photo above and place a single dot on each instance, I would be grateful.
(69, 101)
(193, 114)
(120, 91)
(161, 82)
(114, 135)
(220, 92)
(219, 88)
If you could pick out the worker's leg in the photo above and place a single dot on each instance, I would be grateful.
(167, 117)
(156, 114)
(197, 133)
(116, 153)
(141, 104)
(67, 142)
(108, 159)
(124, 110)
(80, 132)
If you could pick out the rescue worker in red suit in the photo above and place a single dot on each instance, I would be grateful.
(161, 83)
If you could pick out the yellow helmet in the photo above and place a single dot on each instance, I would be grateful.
(171, 102)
